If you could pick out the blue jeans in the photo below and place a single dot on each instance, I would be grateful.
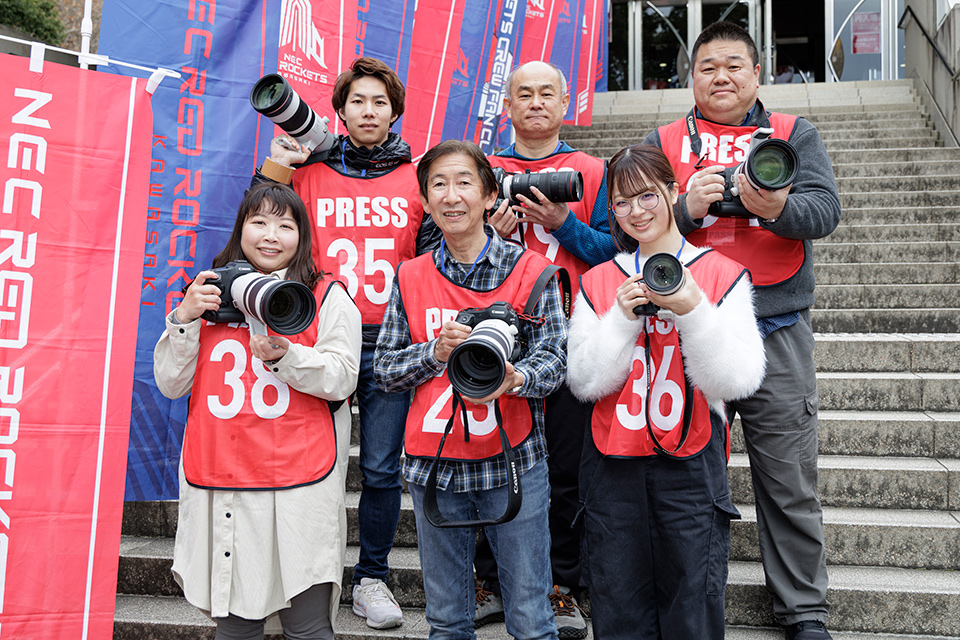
(521, 547)
(383, 417)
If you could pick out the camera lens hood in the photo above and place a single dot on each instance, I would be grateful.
(772, 165)
(663, 274)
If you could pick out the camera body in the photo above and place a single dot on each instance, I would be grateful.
(557, 186)
(770, 164)
(246, 295)
(477, 366)
(225, 278)
(663, 274)
(273, 97)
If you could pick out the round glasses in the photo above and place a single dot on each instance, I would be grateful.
(623, 206)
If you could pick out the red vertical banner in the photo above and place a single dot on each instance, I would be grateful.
(435, 43)
(581, 94)
(317, 42)
(74, 162)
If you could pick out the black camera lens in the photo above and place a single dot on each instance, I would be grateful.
(477, 366)
(773, 164)
(663, 274)
(557, 186)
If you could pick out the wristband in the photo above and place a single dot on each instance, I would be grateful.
(276, 171)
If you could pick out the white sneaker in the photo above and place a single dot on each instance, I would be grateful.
(372, 600)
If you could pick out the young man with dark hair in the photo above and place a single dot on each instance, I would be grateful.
(775, 243)
(474, 477)
(362, 198)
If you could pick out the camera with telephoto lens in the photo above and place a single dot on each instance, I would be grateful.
(273, 97)
(663, 274)
(478, 365)
(246, 295)
(556, 186)
(770, 164)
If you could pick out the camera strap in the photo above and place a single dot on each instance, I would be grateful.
(694, 133)
(687, 408)
(563, 278)
(514, 493)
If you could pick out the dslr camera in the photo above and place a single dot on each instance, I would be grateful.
(273, 97)
(557, 186)
(477, 366)
(770, 164)
(246, 295)
(663, 274)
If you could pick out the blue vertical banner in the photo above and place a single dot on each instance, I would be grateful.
(453, 56)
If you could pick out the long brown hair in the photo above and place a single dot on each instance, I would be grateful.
(278, 198)
(628, 169)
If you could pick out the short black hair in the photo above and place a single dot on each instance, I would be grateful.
(449, 147)
(726, 31)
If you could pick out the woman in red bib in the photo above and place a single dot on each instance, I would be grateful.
(262, 520)
(658, 368)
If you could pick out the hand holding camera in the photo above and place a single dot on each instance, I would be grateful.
(543, 195)
(663, 283)
(199, 298)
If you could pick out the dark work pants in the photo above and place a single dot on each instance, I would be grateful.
(780, 431)
(566, 420)
(656, 541)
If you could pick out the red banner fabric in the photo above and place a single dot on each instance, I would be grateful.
(74, 197)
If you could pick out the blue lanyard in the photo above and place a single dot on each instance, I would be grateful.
(636, 257)
(443, 244)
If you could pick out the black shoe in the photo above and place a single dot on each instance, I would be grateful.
(807, 630)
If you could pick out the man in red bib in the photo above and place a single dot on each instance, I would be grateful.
(780, 420)
(362, 198)
(576, 236)
(474, 475)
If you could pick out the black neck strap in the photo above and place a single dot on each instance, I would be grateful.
(514, 492)
(694, 133)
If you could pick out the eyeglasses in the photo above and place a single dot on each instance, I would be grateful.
(623, 206)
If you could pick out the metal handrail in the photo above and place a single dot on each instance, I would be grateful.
(953, 74)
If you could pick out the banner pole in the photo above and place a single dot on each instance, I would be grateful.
(158, 73)
(86, 32)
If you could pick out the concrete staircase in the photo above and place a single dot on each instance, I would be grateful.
(888, 354)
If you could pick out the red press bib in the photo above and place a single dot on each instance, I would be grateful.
(429, 299)
(619, 422)
(770, 258)
(246, 429)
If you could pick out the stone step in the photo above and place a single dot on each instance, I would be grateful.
(869, 537)
(906, 215)
(637, 130)
(159, 618)
(871, 482)
(887, 296)
(887, 600)
(886, 252)
(889, 391)
(911, 198)
(904, 155)
(889, 352)
(903, 434)
(868, 273)
(878, 184)
(647, 121)
(886, 321)
(849, 232)
(888, 169)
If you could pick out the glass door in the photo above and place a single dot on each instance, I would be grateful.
(865, 41)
